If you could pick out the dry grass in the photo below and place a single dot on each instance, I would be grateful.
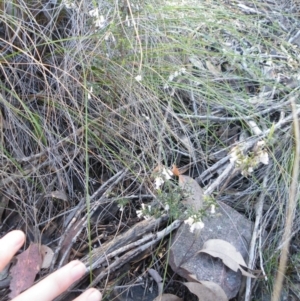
(74, 111)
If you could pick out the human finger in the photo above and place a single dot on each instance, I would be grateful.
(9, 245)
(90, 295)
(55, 284)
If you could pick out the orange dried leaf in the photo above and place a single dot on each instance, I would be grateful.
(175, 170)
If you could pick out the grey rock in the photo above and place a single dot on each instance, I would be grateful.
(226, 224)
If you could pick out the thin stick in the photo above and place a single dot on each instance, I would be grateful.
(290, 210)
(226, 172)
(259, 210)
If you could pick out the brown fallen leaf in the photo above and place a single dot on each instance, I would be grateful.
(194, 192)
(206, 291)
(215, 70)
(24, 272)
(47, 255)
(228, 253)
(167, 297)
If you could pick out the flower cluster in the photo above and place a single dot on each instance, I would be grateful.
(247, 163)
(195, 223)
(99, 20)
(173, 76)
(144, 212)
(69, 4)
(164, 175)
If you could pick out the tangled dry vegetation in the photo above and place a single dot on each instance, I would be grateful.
(96, 94)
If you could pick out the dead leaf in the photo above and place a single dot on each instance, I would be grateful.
(228, 253)
(167, 297)
(61, 195)
(194, 192)
(206, 291)
(175, 170)
(24, 272)
(215, 70)
(47, 255)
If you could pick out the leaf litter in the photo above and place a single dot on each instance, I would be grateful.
(228, 253)
(24, 272)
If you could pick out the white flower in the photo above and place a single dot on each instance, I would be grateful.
(167, 173)
(94, 12)
(146, 117)
(194, 225)
(264, 157)
(189, 221)
(260, 143)
(182, 70)
(234, 154)
(109, 37)
(100, 22)
(160, 180)
(90, 92)
(138, 78)
(166, 86)
(99, 19)
(213, 209)
(140, 213)
(68, 4)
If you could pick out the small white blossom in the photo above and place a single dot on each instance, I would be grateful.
(68, 4)
(94, 12)
(160, 180)
(100, 22)
(146, 117)
(167, 173)
(99, 19)
(138, 78)
(140, 213)
(189, 221)
(194, 225)
(173, 75)
(213, 209)
(264, 157)
(90, 92)
(260, 143)
(121, 208)
(109, 37)
(182, 70)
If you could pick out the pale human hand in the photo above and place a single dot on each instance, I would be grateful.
(54, 284)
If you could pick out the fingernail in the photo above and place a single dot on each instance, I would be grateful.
(78, 270)
(94, 296)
